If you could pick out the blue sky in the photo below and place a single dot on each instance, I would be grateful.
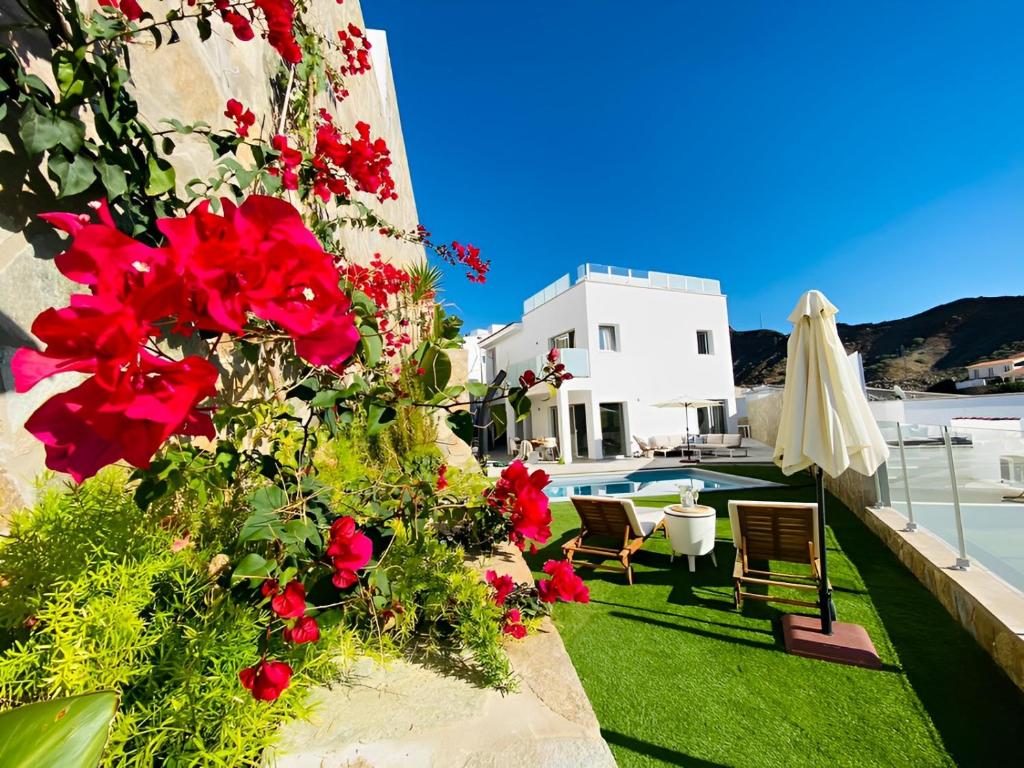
(874, 151)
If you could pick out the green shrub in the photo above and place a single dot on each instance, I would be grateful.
(442, 606)
(97, 598)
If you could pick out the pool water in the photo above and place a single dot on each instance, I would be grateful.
(649, 482)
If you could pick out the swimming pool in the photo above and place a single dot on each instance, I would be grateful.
(647, 482)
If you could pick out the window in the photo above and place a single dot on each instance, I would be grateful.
(704, 346)
(565, 340)
(608, 337)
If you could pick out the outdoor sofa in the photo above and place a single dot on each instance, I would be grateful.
(708, 445)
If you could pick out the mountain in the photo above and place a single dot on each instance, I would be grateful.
(922, 351)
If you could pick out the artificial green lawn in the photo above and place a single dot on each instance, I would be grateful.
(677, 676)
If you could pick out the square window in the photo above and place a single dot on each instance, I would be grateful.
(608, 338)
(704, 346)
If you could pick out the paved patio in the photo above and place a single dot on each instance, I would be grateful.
(758, 453)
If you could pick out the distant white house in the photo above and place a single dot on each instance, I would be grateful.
(990, 371)
(631, 339)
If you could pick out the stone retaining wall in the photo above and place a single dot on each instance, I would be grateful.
(406, 715)
(989, 609)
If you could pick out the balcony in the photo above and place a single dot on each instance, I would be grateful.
(576, 361)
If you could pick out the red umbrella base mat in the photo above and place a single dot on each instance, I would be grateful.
(848, 643)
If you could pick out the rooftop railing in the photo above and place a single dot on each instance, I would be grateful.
(604, 273)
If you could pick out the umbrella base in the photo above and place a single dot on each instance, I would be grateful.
(848, 643)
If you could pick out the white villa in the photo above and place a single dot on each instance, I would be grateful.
(631, 339)
(989, 371)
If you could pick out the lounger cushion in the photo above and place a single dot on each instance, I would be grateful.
(662, 442)
(643, 519)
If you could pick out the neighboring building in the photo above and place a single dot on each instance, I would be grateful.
(993, 371)
(476, 358)
(631, 339)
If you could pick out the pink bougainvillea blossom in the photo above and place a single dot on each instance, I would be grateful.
(266, 679)
(563, 585)
(304, 630)
(503, 586)
(519, 494)
(349, 549)
(290, 603)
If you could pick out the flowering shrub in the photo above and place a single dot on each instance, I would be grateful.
(276, 400)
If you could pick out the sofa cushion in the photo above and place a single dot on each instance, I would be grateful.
(733, 440)
(642, 519)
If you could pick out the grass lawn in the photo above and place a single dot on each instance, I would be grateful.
(678, 677)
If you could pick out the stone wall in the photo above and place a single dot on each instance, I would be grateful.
(189, 80)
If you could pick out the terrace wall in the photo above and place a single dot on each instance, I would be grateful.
(189, 80)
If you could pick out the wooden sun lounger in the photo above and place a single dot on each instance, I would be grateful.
(612, 518)
(779, 531)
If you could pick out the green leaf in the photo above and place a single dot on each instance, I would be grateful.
(161, 176)
(438, 369)
(477, 388)
(378, 417)
(269, 498)
(302, 530)
(373, 347)
(499, 418)
(73, 177)
(69, 732)
(252, 567)
(363, 304)
(520, 403)
(113, 178)
(42, 132)
(305, 389)
(461, 423)
(261, 526)
(325, 398)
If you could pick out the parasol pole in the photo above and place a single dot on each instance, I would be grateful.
(824, 592)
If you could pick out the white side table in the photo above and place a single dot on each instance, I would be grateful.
(691, 531)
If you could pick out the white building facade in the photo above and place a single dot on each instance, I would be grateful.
(631, 339)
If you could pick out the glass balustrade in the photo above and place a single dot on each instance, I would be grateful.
(964, 484)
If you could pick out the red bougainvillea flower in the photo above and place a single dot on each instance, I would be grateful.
(93, 335)
(349, 549)
(243, 118)
(266, 679)
(99, 423)
(513, 624)
(469, 256)
(563, 585)
(270, 587)
(214, 273)
(130, 8)
(291, 602)
(304, 630)
(553, 355)
(280, 18)
(442, 480)
(503, 586)
(520, 495)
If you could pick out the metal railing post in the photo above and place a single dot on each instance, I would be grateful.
(878, 492)
(911, 525)
(962, 563)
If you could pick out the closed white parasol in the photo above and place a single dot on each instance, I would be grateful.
(826, 422)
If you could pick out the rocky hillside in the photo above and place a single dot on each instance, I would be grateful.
(924, 351)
